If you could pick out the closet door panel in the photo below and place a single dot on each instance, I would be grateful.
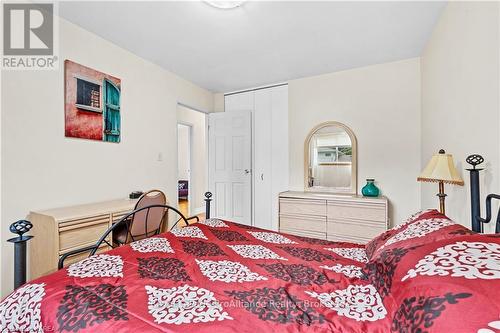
(263, 155)
(279, 149)
(239, 102)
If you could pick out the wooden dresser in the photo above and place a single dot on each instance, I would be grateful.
(60, 230)
(348, 218)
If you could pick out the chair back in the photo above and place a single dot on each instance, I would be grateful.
(148, 221)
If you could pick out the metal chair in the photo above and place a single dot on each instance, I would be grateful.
(145, 223)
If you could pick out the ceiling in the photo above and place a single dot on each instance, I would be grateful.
(260, 42)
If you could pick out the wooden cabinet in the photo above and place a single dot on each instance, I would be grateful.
(61, 230)
(349, 218)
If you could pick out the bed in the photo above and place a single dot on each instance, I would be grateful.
(429, 274)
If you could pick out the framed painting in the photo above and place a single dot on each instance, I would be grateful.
(91, 104)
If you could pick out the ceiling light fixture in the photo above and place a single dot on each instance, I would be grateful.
(225, 4)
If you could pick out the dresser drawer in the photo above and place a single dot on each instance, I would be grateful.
(355, 229)
(367, 212)
(303, 207)
(305, 223)
(77, 233)
(310, 234)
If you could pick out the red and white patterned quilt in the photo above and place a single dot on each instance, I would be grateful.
(217, 276)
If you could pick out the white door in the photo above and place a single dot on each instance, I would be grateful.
(270, 154)
(263, 159)
(279, 147)
(230, 160)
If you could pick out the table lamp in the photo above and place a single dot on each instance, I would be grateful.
(441, 169)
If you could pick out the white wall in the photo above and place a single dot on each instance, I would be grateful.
(198, 186)
(42, 169)
(218, 102)
(460, 99)
(381, 104)
(183, 152)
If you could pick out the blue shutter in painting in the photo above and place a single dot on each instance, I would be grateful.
(111, 112)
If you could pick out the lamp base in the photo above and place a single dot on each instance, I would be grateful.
(442, 197)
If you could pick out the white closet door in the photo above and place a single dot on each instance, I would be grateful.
(279, 147)
(239, 102)
(263, 155)
(229, 146)
(244, 102)
(270, 148)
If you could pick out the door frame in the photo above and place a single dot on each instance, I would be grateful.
(205, 113)
(190, 159)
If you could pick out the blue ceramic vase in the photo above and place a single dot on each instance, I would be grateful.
(370, 189)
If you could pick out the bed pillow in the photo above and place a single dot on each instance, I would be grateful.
(431, 286)
(374, 245)
(398, 250)
(420, 228)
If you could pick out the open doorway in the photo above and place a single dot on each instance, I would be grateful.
(192, 160)
(184, 167)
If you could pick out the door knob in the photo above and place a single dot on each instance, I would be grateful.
(247, 171)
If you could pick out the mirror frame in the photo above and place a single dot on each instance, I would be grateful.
(354, 163)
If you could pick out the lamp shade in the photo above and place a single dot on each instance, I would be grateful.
(441, 169)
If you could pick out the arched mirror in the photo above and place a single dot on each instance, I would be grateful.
(330, 159)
